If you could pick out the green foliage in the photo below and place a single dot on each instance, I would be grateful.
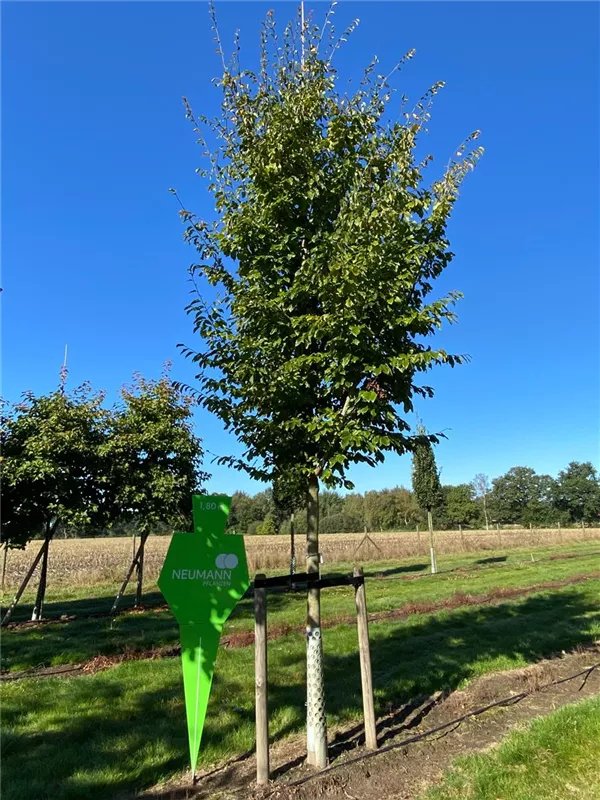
(460, 507)
(67, 461)
(425, 476)
(521, 496)
(577, 492)
(152, 455)
(52, 467)
(325, 250)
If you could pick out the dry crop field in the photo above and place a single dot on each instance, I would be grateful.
(80, 562)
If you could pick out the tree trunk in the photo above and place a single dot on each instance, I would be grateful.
(292, 547)
(38, 608)
(140, 570)
(4, 567)
(431, 543)
(485, 514)
(316, 730)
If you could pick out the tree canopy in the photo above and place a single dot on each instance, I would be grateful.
(325, 249)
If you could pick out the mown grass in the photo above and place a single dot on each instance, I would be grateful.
(122, 730)
(551, 759)
(81, 639)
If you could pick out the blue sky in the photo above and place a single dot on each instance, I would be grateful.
(94, 134)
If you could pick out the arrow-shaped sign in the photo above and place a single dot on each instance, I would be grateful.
(204, 576)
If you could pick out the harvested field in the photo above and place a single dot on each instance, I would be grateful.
(76, 562)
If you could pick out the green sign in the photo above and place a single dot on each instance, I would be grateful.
(204, 576)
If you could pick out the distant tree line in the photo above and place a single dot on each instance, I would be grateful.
(520, 497)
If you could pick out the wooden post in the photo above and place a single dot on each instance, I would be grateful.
(366, 677)
(4, 555)
(292, 551)
(121, 591)
(140, 570)
(23, 586)
(260, 683)
(38, 608)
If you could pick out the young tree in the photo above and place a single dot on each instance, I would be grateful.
(426, 485)
(52, 472)
(153, 462)
(325, 250)
(481, 487)
(577, 491)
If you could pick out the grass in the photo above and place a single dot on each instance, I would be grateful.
(81, 639)
(122, 730)
(552, 758)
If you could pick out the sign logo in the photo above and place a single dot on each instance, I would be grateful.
(226, 561)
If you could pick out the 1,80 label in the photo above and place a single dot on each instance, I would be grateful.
(208, 506)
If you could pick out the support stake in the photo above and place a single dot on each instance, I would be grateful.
(260, 683)
(366, 677)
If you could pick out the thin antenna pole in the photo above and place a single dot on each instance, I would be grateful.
(302, 32)
(64, 371)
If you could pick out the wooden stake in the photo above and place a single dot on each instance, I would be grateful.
(23, 586)
(366, 677)
(260, 683)
(121, 591)
(140, 571)
(4, 566)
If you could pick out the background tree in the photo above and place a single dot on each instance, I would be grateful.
(520, 496)
(426, 485)
(153, 461)
(52, 472)
(481, 488)
(577, 492)
(460, 507)
(325, 249)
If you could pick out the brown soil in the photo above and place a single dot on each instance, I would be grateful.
(417, 741)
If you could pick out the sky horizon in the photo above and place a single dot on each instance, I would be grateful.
(94, 135)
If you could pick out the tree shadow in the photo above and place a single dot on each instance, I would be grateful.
(493, 560)
(96, 744)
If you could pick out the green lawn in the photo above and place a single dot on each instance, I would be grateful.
(122, 730)
(81, 639)
(554, 758)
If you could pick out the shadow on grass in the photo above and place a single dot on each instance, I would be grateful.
(111, 736)
(495, 560)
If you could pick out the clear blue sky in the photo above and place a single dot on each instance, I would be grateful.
(94, 134)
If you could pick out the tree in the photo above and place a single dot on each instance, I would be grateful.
(577, 492)
(481, 487)
(325, 250)
(519, 495)
(153, 462)
(459, 504)
(52, 472)
(426, 485)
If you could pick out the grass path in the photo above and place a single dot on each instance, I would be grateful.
(551, 759)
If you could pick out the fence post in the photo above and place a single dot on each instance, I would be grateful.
(260, 682)
(366, 677)
(462, 537)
